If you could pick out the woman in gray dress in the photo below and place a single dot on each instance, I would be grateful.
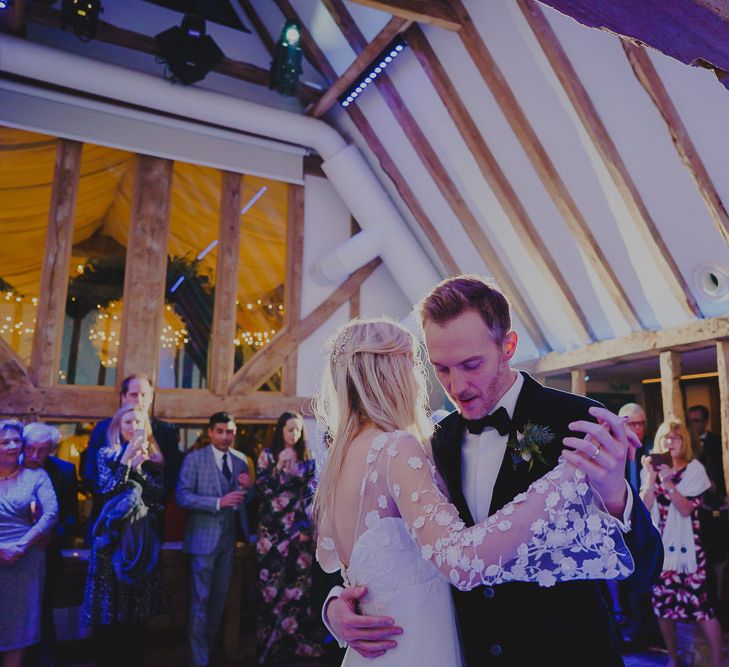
(28, 512)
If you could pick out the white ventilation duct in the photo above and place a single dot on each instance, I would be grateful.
(387, 233)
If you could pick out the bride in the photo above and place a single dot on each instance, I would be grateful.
(385, 522)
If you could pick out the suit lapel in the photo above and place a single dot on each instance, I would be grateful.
(447, 443)
(214, 471)
(514, 479)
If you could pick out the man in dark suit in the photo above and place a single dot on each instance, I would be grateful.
(713, 514)
(40, 441)
(467, 327)
(135, 390)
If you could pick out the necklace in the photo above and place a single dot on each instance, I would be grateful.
(11, 475)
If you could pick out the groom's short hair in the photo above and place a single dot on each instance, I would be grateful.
(453, 296)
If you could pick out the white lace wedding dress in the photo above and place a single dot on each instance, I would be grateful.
(410, 545)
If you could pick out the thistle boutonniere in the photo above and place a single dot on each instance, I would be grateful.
(526, 444)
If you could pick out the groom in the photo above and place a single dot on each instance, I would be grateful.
(467, 327)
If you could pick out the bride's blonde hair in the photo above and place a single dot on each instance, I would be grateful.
(373, 376)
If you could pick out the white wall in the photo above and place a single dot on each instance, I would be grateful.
(326, 225)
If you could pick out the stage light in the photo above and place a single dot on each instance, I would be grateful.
(190, 54)
(4, 4)
(372, 71)
(82, 16)
(286, 64)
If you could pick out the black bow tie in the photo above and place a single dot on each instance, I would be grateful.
(498, 419)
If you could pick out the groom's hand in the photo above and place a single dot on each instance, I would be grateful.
(368, 635)
(602, 455)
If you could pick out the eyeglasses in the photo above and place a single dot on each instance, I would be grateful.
(672, 438)
(634, 424)
(696, 420)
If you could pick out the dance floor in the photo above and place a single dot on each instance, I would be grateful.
(170, 649)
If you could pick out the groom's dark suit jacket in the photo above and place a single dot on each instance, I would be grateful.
(520, 624)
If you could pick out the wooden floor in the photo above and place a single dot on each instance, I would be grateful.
(172, 650)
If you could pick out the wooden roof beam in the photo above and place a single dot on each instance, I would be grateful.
(317, 58)
(499, 183)
(606, 148)
(111, 34)
(649, 78)
(696, 32)
(434, 12)
(637, 345)
(445, 184)
(543, 165)
(392, 28)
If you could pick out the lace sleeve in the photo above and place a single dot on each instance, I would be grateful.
(326, 552)
(48, 505)
(556, 531)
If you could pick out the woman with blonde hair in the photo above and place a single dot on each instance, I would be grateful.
(386, 524)
(124, 581)
(673, 483)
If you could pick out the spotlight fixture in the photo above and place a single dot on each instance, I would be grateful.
(4, 4)
(286, 64)
(82, 16)
(373, 70)
(190, 54)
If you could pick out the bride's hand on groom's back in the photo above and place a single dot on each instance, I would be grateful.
(370, 636)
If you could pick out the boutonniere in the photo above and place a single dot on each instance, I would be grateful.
(526, 444)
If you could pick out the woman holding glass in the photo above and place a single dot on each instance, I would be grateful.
(124, 582)
(672, 489)
(285, 545)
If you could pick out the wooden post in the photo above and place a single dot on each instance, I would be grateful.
(722, 365)
(579, 384)
(671, 385)
(146, 267)
(221, 361)
(355, 301)
(12, 18)
(292, 286)
(54, 274)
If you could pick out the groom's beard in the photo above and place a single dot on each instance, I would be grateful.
(486, 392)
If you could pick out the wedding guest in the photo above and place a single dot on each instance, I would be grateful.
(639, 624)
(137, 391)
(41, 441)
(285, 546)
(28, 512)
(714, 512)
(124, 583)
(214, 486)
(673, 494)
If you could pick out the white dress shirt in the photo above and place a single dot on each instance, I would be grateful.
(481, 457)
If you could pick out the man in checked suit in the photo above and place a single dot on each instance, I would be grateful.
(214, 486)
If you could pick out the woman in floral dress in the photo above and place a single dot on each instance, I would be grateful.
(673, 494)
(285, 546)
(124, 583)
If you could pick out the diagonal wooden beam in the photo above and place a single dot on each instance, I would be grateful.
(266, 361)
(695, 32)
(445, 184)
(317, 58)
(435, 12)
(499, 183)
(392, 28)
(543, 165)
(606, 148)
(649, 78)
(16, 387)
(111, 34)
